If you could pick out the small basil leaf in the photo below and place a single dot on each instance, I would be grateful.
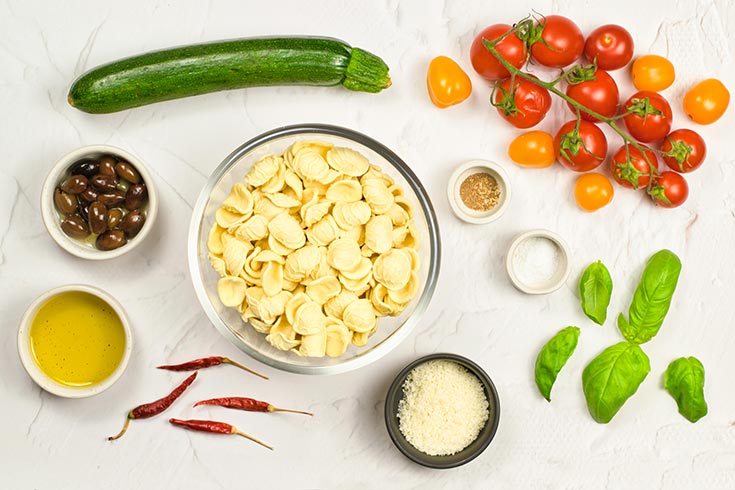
(612, 377)
(595, 288)
(684, 380)
(552, 358)
(652, 298)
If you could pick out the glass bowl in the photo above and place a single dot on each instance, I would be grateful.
(391, 330)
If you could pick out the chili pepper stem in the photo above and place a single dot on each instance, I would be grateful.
(271, 408)
(124, 429)
(239, 433)
(227, 360)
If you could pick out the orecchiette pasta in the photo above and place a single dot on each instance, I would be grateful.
(231, 290)
(343, 254)
(313, 246)
(338, 339)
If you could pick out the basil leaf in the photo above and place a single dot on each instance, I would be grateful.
(652, 298)
(612, 377)
(684, 380)
(595, 288)
(552, 358)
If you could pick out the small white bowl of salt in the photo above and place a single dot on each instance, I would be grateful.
(538, 262)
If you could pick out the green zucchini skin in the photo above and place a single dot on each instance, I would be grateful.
(225, 65)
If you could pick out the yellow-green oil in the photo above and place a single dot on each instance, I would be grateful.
(77, 339)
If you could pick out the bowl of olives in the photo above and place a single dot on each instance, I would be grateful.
(98, 202)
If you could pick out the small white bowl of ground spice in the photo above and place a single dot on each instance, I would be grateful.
(479, 191)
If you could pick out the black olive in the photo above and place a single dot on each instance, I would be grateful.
(136, 196)
(107, 165)
(75, 184)
(75, 227)
(112, 198)
(127, 172)
(114, 216)
(132, 223)
(83, 210)
(66, 203)
(86, 167)
(97, 217)
(104, 182)
(110, 240)
(90, 194)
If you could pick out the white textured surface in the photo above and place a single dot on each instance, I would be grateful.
(48, 442)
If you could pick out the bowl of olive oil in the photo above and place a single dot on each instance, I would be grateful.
(75, 341)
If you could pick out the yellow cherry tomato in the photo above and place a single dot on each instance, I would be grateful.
(534, 149)
(593, 191)
(707, 101)
(448, 84)
(652, 72)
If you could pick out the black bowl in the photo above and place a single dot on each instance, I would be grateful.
(395, 394)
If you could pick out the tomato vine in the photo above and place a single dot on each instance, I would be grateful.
(525, 31)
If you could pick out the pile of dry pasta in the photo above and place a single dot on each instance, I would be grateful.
(313, 247)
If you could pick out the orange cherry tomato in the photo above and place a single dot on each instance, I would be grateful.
(534, 149)
(653, 73)
(593, 191)
(707, 101)
(448, 84)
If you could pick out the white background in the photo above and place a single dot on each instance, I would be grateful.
(52, 443)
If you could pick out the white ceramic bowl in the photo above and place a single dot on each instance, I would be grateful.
(41, 379)
(469, 168)
(556, 280)
(52, 218)
(391, 330)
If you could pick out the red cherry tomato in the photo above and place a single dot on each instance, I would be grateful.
(561, 42)
(511, 48)
(525, 105)
(630, 169)
(599, 95)
(650, 119)
(669, 190)
(583, 150)
(684, 150)
(611, 46)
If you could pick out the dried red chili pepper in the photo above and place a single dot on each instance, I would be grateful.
(148, 410)
(249, 404)
(206, 362)
(214, 427)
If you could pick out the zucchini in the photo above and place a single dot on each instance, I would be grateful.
(225, 65)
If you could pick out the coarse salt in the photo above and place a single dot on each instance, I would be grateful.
(536, 260)
(443, 408)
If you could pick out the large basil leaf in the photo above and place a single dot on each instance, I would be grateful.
(552, 358)
(612, 377)
(652, 298)
(595, 288)
(684, 380)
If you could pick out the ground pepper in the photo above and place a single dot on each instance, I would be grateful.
(480, 191)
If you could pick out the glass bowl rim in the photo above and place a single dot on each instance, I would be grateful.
(422, 196)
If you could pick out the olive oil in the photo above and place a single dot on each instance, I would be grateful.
(77, 339)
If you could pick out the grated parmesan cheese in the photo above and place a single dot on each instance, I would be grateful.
(443, 408)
